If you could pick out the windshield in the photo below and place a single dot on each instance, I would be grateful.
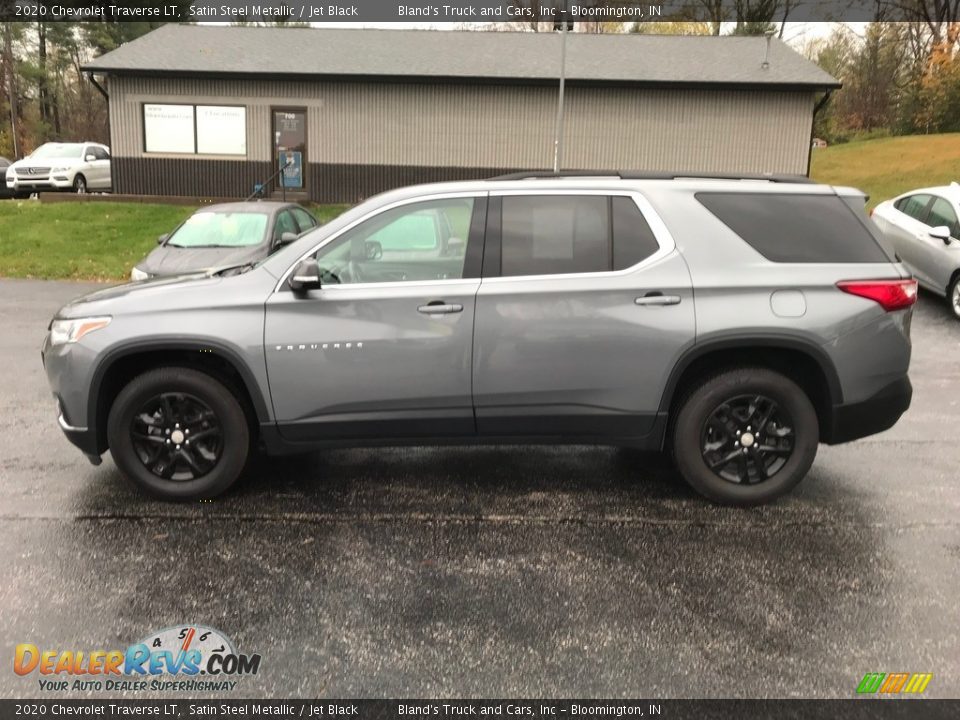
(221, 229)
(58, 150)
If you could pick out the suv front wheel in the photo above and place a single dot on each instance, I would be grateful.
(745, 436)
(178, 434)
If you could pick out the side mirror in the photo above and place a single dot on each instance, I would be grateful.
(306, 276)
(373, 249)
(287, 237)
(163, 238)
(90, 158)
(941, 232)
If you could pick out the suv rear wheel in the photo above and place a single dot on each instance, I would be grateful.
(179, 434)
(745, 436)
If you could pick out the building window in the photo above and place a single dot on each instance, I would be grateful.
(194, 129)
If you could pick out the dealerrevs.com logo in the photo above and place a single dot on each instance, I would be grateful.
(187, 658)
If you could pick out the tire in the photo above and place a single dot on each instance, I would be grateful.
(953, 296)
(715, 416)
(156, 414)
(79, 184)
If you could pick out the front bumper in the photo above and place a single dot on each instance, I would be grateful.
(877, 413)
(79, 436)
(67, 368)
(56, 182)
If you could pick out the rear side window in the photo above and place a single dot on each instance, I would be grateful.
(796, 228)
(915, 206)
(941, 213)
(565, 234)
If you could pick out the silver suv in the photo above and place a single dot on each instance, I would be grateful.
(736, 322)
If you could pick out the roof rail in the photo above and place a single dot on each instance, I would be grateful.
(652, 175)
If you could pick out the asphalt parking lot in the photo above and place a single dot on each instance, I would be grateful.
(495, 571)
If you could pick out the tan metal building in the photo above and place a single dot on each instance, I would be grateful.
(213, 111)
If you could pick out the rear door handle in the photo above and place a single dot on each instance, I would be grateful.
(656, 298)
(438, 307)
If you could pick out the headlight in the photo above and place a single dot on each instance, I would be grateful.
(138, 274)
(59, 169)
(69, 331)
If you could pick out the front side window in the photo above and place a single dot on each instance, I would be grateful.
(416, 242)
(304, 219)
(285, 224)
(942, 213)
(220, 229)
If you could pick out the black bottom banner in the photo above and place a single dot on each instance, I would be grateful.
(867, 709)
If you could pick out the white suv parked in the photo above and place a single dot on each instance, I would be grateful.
(62, 166)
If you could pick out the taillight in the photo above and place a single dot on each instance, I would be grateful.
(890, 294)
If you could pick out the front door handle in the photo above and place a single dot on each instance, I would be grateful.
(438, 307)
(657, 298)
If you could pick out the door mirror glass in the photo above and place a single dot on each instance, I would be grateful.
(163, 238)
(306, 276)
(941, 232)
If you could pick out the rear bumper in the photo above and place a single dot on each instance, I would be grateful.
(877, 413)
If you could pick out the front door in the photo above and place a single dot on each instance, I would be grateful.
(383, 349)
(584, 309)
(290, 149)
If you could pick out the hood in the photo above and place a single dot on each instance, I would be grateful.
(168, 260)
(155, 293)
(46, 162)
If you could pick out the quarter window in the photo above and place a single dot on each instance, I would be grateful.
(416, 242)
(942, 213)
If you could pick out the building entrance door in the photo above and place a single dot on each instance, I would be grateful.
(290, 148)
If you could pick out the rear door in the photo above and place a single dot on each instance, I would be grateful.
(939, 259)
(906, 228)
(584, 308)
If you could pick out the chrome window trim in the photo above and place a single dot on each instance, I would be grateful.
(372, 214)
(659, 228)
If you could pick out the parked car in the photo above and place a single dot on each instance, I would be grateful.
(61, 166)
(735, 322)
(223, 235)
(4, 191)
(924, 230)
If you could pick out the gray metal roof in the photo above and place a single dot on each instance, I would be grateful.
(507, 56)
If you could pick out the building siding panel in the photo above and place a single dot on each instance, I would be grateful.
(382, 127)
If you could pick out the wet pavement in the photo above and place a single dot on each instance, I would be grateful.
(512, 571)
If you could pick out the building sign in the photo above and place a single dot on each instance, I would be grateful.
(221, 130)
(168, 128)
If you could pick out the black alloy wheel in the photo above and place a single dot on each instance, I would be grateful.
(177, 436)
(747, 439)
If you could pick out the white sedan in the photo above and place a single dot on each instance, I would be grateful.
(924, 229)
(61, 166)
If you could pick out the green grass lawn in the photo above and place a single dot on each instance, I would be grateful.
(887, 167)
(89, 240)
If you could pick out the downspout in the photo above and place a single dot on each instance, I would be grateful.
(113, 166)
(103, 91)
(816, 108)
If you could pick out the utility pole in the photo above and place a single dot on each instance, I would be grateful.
(558, 129)
(11, 85)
